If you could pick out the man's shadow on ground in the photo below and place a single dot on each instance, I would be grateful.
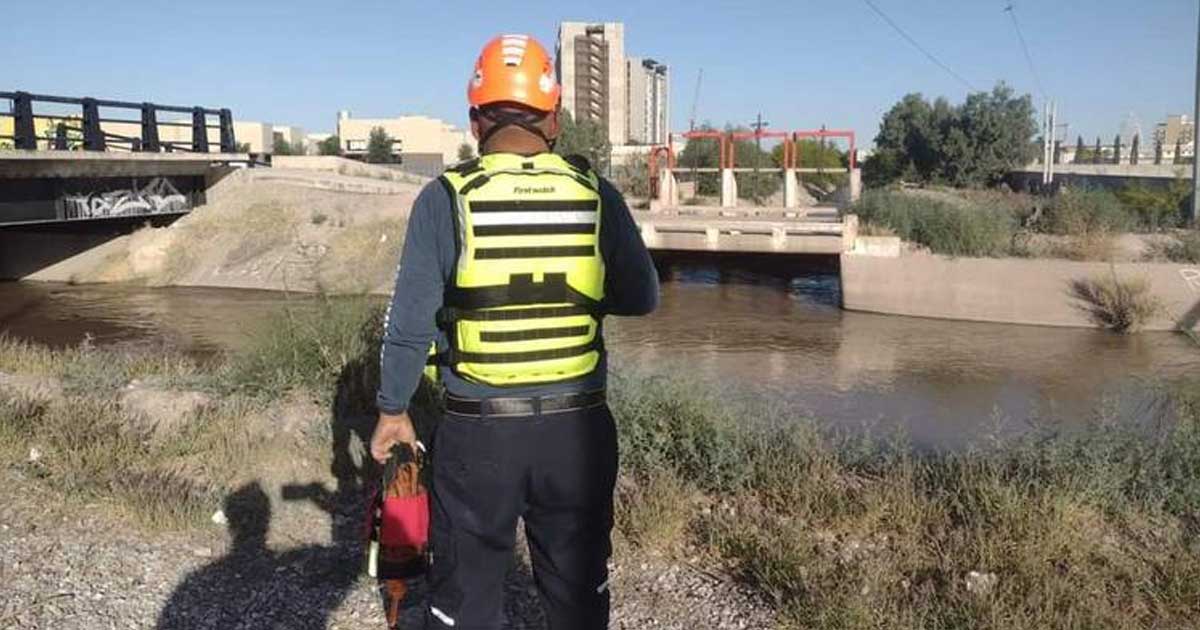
(254, 587)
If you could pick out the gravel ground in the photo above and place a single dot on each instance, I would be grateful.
(68, 566)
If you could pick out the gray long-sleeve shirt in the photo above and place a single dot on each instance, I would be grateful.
(426, 264)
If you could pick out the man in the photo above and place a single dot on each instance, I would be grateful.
(510, 263)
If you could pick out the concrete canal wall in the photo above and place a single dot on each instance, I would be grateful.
(1006, 290)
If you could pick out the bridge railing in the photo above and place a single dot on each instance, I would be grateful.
(95, 128)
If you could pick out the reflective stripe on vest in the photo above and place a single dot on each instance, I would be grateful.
(523, 307)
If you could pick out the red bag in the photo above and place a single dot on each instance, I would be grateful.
(398, 528)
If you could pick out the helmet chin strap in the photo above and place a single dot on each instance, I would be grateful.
(501, 119)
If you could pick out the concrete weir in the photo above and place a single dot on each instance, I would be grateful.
(1006, 290)
(813, 231)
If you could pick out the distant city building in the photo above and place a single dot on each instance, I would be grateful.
(294, 136)
(628, 97)
(430, 143)
(1179, 129)
(649, 101)
(312, 142)
(590, 63)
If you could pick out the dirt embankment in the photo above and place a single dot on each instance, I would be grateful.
(277, 229)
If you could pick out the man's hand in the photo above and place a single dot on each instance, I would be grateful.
(390, 431)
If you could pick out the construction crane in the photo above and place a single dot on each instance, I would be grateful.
(695, 100)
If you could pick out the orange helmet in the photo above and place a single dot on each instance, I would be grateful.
(514, 69)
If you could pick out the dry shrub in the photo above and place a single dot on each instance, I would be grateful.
(361, 258)
(1088, 246)
(1122, 306)
(653, 511)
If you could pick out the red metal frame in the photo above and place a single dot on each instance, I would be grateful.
(789, 147)
(828, 133)
(722, 139)
(726, 146)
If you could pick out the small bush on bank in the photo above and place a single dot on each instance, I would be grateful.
(1154, 208)
(327, 347)
(1183, 247)
(945, 227)
(1085, 211)
(1122, 306)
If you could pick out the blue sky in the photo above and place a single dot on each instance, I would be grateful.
(802, 63)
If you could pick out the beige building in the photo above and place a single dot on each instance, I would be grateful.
(590, 62)
(415, 138)
(294, 136)
(1176, 129)
(649, 101)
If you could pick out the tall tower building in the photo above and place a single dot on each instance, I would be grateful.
(591, 67)
(649, 98)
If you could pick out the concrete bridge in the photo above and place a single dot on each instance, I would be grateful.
(1110, 176)
(47, 187)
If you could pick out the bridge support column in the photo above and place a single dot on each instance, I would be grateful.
(668, 189)
(790, 188)
(855, 184)
(729, 192)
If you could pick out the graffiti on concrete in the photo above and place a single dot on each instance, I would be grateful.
(1191, 277)
(157, 197)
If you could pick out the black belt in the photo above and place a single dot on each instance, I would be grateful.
(538, 405)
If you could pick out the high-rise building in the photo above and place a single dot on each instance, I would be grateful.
(649, 100)
(591, 67)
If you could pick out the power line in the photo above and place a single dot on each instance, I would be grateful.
(1012, 14)
(918, 46)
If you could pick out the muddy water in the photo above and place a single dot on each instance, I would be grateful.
(776, 335)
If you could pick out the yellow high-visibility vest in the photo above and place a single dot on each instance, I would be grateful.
(523, 306)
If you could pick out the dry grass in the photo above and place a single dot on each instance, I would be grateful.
(653, 511)
(1089, 246)
(361, 258)
(262, 228)
(1093, 529)
(1122, 306)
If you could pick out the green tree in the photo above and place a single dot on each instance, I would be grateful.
(282, 147)
(1098, 152)
(330, 146)
(1178, 151)
(585, 138)
(1117, 149)
(815, 154)
(974, 143)
(1135, 149)
(701, 153)
(241, 147)
(1158, 151)
(1080, 150)
(465, 152)
(632, 176)
(380, 147)
(705, 153)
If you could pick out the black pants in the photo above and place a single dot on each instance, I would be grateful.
(557, 472)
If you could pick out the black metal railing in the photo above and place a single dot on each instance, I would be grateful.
(86, 131)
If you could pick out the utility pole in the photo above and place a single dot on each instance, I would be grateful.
(758, 125)
(1195, 211)
(1045, 119)
(1052, 128)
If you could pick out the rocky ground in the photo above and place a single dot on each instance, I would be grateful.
(67, 565)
